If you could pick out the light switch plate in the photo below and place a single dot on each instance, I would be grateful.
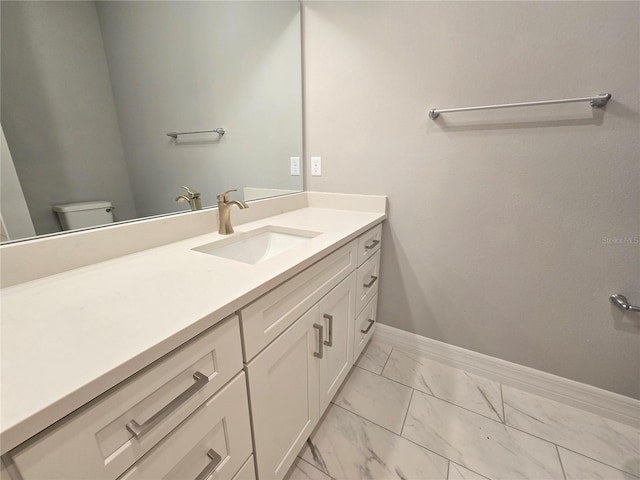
(295, 165)
(316, 166)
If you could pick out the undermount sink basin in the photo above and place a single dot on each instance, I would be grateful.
(257, 245)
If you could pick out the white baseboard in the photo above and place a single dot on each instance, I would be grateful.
(602, 402)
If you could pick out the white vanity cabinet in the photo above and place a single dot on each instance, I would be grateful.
(293, 379)
(238, 401)
(149, 411)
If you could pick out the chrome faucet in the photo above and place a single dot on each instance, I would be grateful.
(192, 197)
(224, 211)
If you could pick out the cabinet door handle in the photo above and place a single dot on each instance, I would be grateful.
(320, 329)
(372, 245)
(366, 330)
(140, 430)
(373, 280)
(329, 343)
(211, 466)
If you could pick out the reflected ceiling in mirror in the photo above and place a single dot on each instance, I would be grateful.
(90, 91)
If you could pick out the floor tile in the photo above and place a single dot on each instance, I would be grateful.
(579, 467)
(458, 472)
(475, 442)
(376, 398)
(348, 447)
(374, 356)
(302, 470)
(605, 440)
(470, 391)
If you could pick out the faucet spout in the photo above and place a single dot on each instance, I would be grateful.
(224, 212)
(239, 203)
(192, 197)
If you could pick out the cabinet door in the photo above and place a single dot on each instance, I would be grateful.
(336, 311)
(283, 388)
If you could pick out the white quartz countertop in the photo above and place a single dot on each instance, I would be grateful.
(69, 337)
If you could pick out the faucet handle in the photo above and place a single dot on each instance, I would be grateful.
(190, 193)
(224, 197)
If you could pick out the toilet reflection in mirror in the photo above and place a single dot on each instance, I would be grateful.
(90, 89)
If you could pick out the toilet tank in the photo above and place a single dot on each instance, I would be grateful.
(84, 214)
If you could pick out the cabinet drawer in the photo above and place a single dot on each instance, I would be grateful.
(369, 243)
(368, 281)
(364, 327)
(96, 441)
(270, 315)
(216, 439)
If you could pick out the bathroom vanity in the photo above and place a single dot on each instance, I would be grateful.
(196, 359)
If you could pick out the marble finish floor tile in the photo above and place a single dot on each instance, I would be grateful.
(375, 398)
(374, 356)
(348, 447)
(475, 442)
(579, 467)
(602, 439)
(301, 470)
(467, 390)
(458, 472)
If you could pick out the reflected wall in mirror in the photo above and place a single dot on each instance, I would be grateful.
(89, 91)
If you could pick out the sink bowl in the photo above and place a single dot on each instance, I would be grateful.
(257, 245)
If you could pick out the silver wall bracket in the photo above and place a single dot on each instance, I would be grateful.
(622, 303)
(600, 102)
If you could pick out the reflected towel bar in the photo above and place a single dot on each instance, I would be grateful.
(219, 131)
(597, 101)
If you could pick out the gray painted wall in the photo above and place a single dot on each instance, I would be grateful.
(184, 66)
(15, 219)
(55, 93)
(504, 227)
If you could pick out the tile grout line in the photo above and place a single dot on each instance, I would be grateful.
(561, 465)
(394, 433)
(470, 469)
(505, 426)
(451, 403)
(386, 361)
(406, 414)
(499, 420)
(571, 450)
(597, 461)
(314, 467)
(504, 415)
(365, 368)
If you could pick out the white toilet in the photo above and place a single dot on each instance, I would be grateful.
(84, 214)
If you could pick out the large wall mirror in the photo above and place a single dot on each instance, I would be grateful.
(89, 91)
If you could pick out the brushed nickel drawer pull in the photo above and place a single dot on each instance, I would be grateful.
(320, 329)
(329, 343)
(366, 330)
(139, 430)
(373, 280)
(372, 245)
(211, 467)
